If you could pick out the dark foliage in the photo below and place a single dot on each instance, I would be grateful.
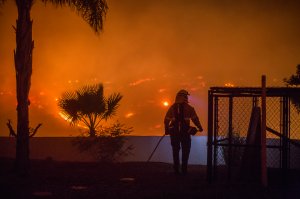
(236, 152)
(92, 11)
(294, 80)
(89, 106)
(108, 145)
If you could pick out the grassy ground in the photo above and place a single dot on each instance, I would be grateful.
(64, 180)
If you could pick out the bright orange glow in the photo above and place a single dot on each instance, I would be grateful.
(195, 53)
(140, 81)
(157, 126)
(68, 120)
(229, 85)
(166, 103)
(162, 90)
(63, 116)
(129, 115)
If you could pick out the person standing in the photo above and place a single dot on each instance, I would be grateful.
(177, 125)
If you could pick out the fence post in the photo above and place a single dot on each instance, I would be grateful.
(285, 136)
(209, 137)
(215, 136)
(230, 135)
(264, 180)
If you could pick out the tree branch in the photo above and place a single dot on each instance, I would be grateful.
(35, 130)
(11, 130)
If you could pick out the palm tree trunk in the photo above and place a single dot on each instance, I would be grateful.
(23, 67)
(92, 132)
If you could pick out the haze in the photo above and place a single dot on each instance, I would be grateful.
(148, 51)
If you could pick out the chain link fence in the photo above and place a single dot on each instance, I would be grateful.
(229, 117)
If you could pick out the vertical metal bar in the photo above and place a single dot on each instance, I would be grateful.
(281, 131)
(289, 131)
(215, 137)
(285, 137)
(264, 180)
(230, 128)
(209, 136)
(254, 102)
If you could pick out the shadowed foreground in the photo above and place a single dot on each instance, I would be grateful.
(50, 179)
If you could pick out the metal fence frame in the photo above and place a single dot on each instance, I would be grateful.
(231, 94)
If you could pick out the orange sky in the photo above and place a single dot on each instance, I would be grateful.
(147, 52)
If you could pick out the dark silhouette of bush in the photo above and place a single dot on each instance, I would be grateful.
(108, 145)
(294, 80)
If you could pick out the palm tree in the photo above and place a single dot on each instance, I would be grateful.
(89, 106)
(294, 80)
(92, 11)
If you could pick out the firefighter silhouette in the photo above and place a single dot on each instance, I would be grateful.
(177, 125)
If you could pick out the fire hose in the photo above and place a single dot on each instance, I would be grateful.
(155, 147)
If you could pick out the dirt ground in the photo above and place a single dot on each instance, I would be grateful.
(64, 180)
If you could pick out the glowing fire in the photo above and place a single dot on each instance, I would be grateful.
(67, 119)
(63, 116)
(166, 103)
(129, 115)
(229, 85)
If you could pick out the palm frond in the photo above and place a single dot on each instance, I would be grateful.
(101, 104)
(69, 106)
(68, 95)
(88, 89)
(99, 90)
(92, 11)
(112, 105)
(91, 99)
(88, 105)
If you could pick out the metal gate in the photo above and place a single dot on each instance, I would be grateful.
(229, 114)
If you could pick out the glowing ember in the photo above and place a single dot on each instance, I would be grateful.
(129, 115)
(63, 116)
(165, 103)
(229, 85)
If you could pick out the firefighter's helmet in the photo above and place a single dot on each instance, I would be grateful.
(183, 93)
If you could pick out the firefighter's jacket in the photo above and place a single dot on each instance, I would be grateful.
(189, 113)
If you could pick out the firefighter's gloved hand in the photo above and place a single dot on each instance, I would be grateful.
(167, 131)
(200, 129)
